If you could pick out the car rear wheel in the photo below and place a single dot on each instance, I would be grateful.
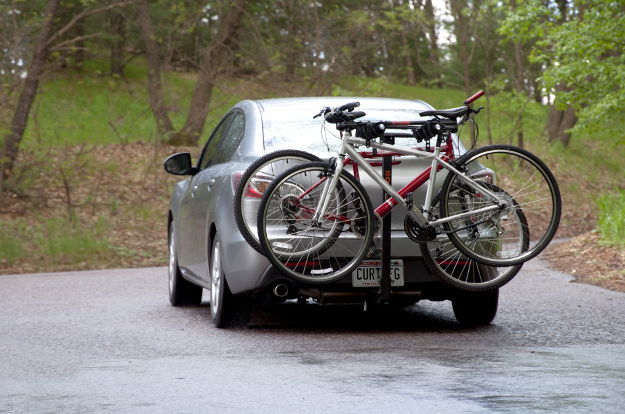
(226, 309)
(475, 309)
(181, 291)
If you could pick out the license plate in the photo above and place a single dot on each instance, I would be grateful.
(369, 272)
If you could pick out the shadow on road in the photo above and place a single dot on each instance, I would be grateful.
(422, 317)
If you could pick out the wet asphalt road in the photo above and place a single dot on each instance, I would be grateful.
(108, 341)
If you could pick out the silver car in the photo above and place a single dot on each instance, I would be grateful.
(206, 250)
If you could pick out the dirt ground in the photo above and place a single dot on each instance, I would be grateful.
(126, 186)
(120, 189)
(589, 262)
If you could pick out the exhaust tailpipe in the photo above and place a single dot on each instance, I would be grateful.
(281, 290)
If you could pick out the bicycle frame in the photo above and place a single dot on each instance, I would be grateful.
(348, 143)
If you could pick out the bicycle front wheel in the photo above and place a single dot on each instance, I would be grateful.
(321, 251)
(459, 271)
(498, 237)
(253, 183)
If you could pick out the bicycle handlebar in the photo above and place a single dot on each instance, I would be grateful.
(349, 106)
(474, 97)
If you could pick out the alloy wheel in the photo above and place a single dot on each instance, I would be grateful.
(216, 279)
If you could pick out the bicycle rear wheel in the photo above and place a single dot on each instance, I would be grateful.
(461, 272)
(499, 237)
(315, 252)
(253, 183)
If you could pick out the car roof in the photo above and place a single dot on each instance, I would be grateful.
(316, 103)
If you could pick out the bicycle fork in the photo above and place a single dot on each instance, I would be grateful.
(330, 185)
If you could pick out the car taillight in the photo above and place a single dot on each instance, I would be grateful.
(255, 189)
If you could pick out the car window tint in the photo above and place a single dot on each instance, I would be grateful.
(231, 139)
(210, 151)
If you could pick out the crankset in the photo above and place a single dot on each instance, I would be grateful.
(416, 233)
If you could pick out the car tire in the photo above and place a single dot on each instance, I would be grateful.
(181, 291)
(227, 310)
(475, 309)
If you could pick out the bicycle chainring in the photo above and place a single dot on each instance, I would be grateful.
(418, 234)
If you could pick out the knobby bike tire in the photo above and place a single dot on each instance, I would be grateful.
(244, 211)
(527, 181)
(309, 253)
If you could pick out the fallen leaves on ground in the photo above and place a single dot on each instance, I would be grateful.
(585, 258)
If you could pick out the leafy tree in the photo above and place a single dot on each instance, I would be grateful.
(587, 56)
(579, 46)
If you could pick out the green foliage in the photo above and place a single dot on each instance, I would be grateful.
(512, 111)
(582, 49)
(611, 221)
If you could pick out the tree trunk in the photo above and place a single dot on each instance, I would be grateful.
(20, 117)
(118, 31)
(409, 65)
(461, 33)
(431, 29)
(291, 52)
(216, 52)
(79, 54)
(558, 121)
(518, 53)
(317, 45)
(155, 88)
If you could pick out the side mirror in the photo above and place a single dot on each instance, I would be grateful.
(179, 164)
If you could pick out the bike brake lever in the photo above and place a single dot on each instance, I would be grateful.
(323, 111)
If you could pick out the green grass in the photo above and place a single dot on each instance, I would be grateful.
(53, 242)
(87, 106)
(611, 220)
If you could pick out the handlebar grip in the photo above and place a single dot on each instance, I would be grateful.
(474, 97)
(349, 106)
(357, 114)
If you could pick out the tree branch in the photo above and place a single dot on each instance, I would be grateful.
(76, 39)
(81, 16)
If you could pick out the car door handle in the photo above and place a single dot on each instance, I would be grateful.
(210, 184)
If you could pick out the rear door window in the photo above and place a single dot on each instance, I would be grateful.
(211, 149)
(231, 138)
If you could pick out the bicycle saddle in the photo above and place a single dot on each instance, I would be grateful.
(447, 113)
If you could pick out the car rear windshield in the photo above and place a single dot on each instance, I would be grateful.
(292, 129)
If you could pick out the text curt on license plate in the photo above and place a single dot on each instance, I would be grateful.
(369, 272)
